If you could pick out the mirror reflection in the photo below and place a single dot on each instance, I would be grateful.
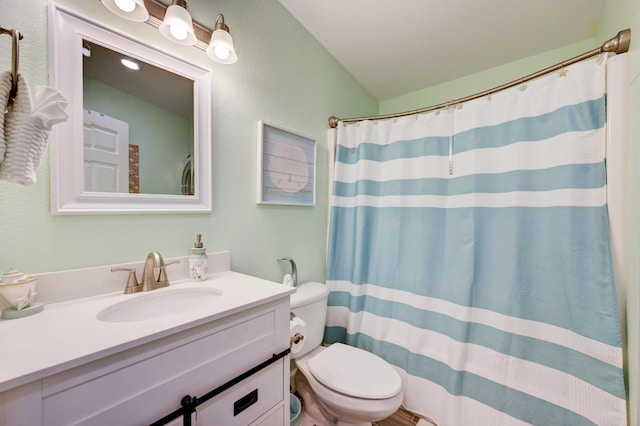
(138, 125)
(163, 119)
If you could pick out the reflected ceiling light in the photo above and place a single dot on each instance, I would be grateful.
(177, 25)
(221, 47)
(133, 10)
(130, 64)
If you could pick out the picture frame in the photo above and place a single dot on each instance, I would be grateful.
(286, 167)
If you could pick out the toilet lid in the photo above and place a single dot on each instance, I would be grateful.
(355, 372)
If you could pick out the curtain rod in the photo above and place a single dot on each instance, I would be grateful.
(618, 44)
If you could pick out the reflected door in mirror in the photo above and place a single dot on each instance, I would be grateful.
(106, 153)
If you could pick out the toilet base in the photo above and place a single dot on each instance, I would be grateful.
(312, 414)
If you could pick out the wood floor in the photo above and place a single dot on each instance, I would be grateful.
(403, 418)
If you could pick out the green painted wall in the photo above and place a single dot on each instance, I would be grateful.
(283, 76)
(618, 15)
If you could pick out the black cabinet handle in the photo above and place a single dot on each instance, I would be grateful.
(245, 402)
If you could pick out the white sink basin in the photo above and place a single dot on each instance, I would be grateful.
(155, 305)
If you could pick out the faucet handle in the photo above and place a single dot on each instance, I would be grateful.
(132, 281)
(294, 270)
(163, 280)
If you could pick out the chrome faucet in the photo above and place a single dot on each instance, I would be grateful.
(294, 270)
(149, 280)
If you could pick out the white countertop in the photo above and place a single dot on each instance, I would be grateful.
(68, 334)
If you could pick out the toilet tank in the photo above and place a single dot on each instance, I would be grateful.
(309, 303)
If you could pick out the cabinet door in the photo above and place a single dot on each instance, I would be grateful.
(142, 385)
(247, 401)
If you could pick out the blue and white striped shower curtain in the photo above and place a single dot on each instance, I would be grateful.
(470, 248)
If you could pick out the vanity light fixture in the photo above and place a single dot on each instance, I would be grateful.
(133, 10)
(221, 47)
(177, 25)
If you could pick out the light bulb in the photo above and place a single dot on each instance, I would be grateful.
(178, 32)
(126, 5)
(220, 47)
(133, 10)
(177, 24)
(222, 52)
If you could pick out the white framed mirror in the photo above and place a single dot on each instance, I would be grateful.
(137, 141)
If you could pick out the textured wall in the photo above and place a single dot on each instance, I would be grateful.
(616, 16)
(282, 76)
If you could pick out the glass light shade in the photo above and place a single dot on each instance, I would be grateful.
(177, 26)
(221, 48)
(126, 5)
(122, 8)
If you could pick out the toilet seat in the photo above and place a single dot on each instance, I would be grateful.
(355, 372)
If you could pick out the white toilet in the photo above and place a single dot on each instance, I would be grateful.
(339, 384)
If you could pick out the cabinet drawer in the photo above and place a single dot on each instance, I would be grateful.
(273, 418)
(245, 402)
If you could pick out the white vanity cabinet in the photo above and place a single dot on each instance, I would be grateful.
(141, 384)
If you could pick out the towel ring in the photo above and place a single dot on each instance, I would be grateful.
(16, 36)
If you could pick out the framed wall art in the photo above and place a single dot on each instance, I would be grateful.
(286, 167)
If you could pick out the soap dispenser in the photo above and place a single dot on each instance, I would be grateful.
(198, 261)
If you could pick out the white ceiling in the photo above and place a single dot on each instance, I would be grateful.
(395, 47)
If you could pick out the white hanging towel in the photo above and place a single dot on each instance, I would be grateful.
(49, 107)
(27, 131)
(5, 91)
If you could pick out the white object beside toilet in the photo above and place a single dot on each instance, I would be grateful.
(348, 385)
(297, 334)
